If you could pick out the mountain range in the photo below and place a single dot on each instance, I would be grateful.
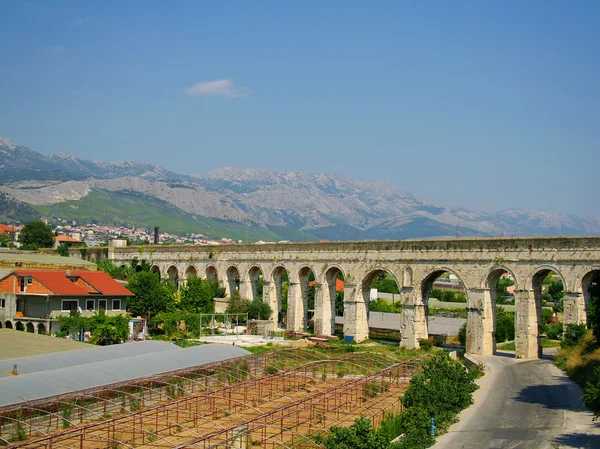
(257, 203)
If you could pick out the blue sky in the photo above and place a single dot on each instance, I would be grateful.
(485, 105)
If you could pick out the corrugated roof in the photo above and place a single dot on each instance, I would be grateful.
(27, 259)
(91, 354)
(45, 384)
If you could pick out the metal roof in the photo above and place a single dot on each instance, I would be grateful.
(56, 360)
(46, 384)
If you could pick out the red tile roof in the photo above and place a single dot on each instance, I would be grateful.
(102, 282)
(4, 228)
(54, 280)
(65, 238)
(58, 282)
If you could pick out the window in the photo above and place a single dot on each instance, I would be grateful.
(2, 303)
(102, 304)
(89, 305)
(24, 281)
(68, 305)
(116, 305)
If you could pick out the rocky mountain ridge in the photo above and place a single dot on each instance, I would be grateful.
(326, 206)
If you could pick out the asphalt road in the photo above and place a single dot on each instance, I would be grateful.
(523, 405)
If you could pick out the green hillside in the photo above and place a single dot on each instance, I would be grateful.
(135, 209)
(12, 211)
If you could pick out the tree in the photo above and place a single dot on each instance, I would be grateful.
(74, 323)
(237, 304)
(36, 234)
(505, 325)
(197, 295)
(594, 307)
(339, 303)
(360, 435)
(152, 295)
(107, 330)
(62, 250)
(256, 309)
(591, 396)
(501, 290)
(462, 335)
(442, 389)
(385, 284)
(259, 310)
(5, 240)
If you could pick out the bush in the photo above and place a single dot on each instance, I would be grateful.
(591, 397)
(442, 389)
(554, 330)
(381, 305)
(462, 335)
(359, 435)
(546, 315)
(505, 325)
(259, 310)
(62, 250)
(256, 309)
(447, 295)
(415, 423)
(425, 344)
(573, 335)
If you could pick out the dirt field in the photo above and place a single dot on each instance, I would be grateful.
(15, 343)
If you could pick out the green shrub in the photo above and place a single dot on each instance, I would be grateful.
(554, 330)
(425, 344)
(270, 370)
(573, 335)
(462, 335)
(360, 435)
(546, 315)
(415, 424)
(442, 389)
(505, 325)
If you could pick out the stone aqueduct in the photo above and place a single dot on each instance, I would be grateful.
(415, 265)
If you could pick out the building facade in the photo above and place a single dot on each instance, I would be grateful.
(32, 300)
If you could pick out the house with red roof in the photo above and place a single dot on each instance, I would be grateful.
(63, 239)
(33, 299)
(5, 229)
(9, 230)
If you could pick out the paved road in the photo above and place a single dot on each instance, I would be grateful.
(523, 405)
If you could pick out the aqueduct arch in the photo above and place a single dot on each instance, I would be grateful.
(325, 299)
(476, 262)
(273, 291)
(232, 280)
(173, 275)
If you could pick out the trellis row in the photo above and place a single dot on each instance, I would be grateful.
(192, 417)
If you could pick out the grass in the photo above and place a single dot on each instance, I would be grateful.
(507, 346)
(136, 209)
(546, 343)
(580, 361)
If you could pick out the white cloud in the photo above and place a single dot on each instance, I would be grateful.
(223, 88)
